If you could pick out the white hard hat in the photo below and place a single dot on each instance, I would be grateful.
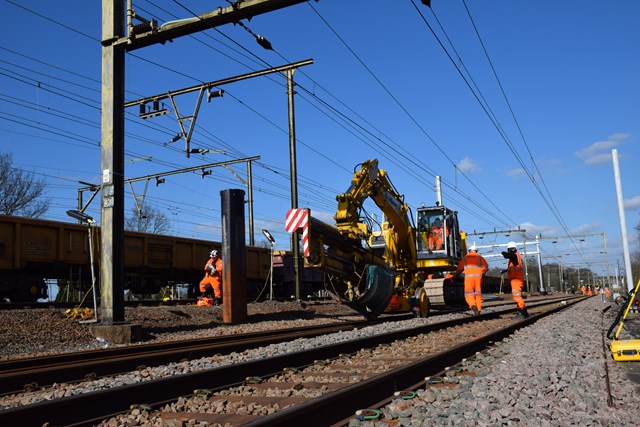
(473, 247)
(213, 253)
(511, 245)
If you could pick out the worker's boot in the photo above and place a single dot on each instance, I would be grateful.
(217, 301)
(475, 310)
(521, 314)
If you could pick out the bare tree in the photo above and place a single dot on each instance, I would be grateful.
(20, 193)
(150, 220)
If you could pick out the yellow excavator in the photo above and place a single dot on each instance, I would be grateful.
(390, 267)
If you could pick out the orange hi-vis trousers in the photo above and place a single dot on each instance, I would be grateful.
(215, 284)
(473, 291)
(516, 292)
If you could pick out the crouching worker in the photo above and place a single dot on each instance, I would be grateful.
(212, 282)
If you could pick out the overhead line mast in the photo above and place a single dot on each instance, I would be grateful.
(115, 43)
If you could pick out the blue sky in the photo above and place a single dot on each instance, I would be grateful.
(381, 86)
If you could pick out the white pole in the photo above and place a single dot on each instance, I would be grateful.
(623, 224)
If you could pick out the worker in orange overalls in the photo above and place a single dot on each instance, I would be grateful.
(474, 267)
(584, 290)
(436, 235)
(212, 279)
(516, 276)
(589, 293)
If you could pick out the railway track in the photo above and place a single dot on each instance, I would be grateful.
(40, 372)
(37, 372)
(92, 407)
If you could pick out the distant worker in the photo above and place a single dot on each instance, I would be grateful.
(515, 273)
(212, 282)
(474, 267)
(436, 235)
(589, 291)
(584, 290)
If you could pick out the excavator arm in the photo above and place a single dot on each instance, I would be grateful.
(371, 182)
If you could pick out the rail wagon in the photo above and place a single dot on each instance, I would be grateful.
(32, 250)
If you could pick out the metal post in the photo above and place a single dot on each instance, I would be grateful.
(112, 165)
(295, 250)
(234, 271)
(623, 224)
(250, 202)
(93, 276)
(579, 281)
(560, 275)
(606, 257)
(542, 291)
(524, 261)
(79, 202)
(271, 274)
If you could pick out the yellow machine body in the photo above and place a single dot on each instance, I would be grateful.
(626, 350)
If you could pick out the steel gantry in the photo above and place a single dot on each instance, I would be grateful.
(159, 177)
(117, 39)
(582, 237)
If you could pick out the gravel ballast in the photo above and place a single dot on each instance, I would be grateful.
(552, 373)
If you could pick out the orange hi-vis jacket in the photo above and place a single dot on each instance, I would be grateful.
(516, 271)
(473, 265)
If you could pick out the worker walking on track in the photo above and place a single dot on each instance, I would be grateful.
(212, 279)
(515, 273)
(474, 267)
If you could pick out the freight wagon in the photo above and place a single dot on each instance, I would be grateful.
(32, 250)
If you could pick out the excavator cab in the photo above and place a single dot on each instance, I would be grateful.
(438, 234)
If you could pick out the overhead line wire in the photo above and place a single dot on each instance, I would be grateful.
(505, 139)
(406, 111)
(495, 73)
(553, 205)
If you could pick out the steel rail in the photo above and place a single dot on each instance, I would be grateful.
(70, 367)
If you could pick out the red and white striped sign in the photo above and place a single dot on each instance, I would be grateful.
(299, 219)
